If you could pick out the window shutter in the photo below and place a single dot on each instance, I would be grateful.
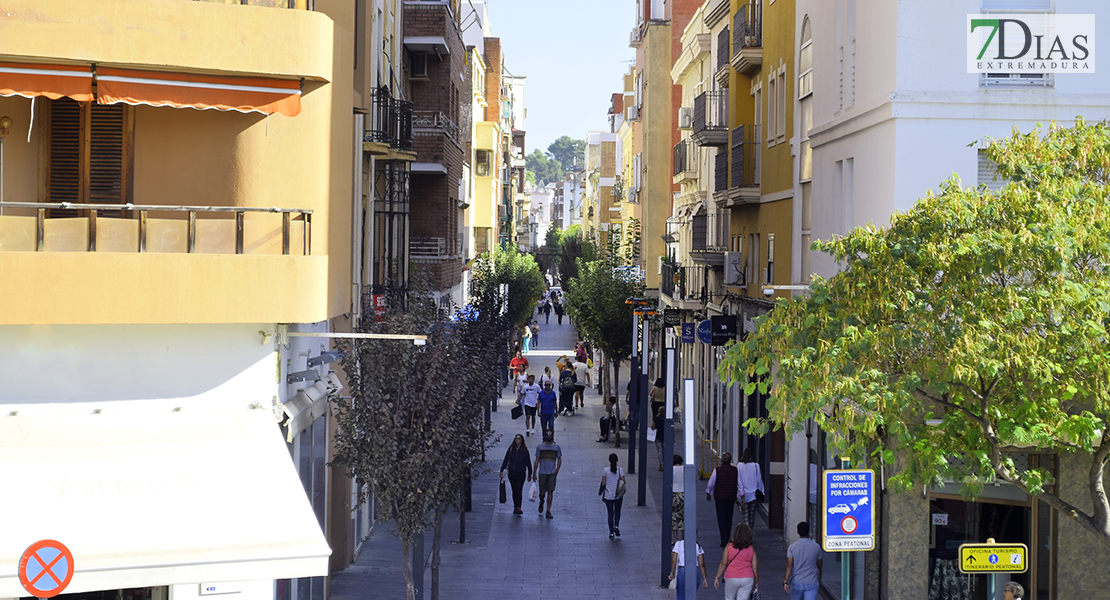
(106, 151)
(65, 155)
(988, 173)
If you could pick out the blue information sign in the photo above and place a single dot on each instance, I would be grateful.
(849, 515)
(705, 332)
(688, 333)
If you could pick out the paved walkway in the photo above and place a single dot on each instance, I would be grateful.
(569, 557)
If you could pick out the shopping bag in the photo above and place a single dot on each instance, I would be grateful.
(621, 489)
(533, 492)
(651, 434)
(755, 594)
(517, 411)
(504, 498)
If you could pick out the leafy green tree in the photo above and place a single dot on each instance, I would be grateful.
(571, 248)
(568, 152)
(596, 298)
(516, 276)
(544, 169)
(973, 327)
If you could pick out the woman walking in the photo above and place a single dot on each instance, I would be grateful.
(519, 465)
(678, 500)
(526, 339)
(612, 494)
(545, 378)
(678, 567)
(752, 479)
(739, 565)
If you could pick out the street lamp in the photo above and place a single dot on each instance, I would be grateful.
(634, 380)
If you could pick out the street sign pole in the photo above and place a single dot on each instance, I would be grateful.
(634, 382)
(845, 570)
(665, 540)
(643, 418)
(689, 489)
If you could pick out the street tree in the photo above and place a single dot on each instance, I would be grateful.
(571, 248)
(517, 276)
(971, 329)
(544, 169)
(596, 300)
(414, 428)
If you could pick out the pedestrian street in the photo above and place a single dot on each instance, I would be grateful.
(568, 557)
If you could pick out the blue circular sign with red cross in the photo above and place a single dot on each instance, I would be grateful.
(46, 568)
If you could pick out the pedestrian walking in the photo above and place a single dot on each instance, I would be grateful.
(724, 489)
(612, 494)
(580, 351)
(803, 566)
(548, 407)
(545, 377)
(678, 498)
(559, 311)
(739, 568)
(528, 397)
(581, 380)
(549, 460)
(535, 334)
(547, 311)
(526, 339)
(657, 395)
(518, 365)
(567, 386)
(678, 564)
(518, 465)
(657, 424)
(1013, 591)
(751, 479)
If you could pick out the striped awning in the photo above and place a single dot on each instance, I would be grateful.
(53, 81)
(243, 94)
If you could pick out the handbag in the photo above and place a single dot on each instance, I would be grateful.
(759, 495)
(621, 489)
(652, 434)
(517, 412)
(755, 594)
(503, 495)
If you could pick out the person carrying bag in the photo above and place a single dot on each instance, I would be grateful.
(612, 492)
(518, 465)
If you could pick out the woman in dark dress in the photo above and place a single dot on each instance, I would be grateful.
(519, 466)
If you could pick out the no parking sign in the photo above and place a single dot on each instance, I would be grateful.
(46, 568)
(849, 515)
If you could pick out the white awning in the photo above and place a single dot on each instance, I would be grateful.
(156, 499)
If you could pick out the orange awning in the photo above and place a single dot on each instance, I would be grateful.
(243, 94)
(53, 81)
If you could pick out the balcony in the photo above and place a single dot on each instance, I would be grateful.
(673, 286)
(635, 37)
(710, 127)
(432, 248)
(291, 4)
(745, 165)
(434, 121)
(747, 40)
(388, 126)
(709, 237)
(685, 162)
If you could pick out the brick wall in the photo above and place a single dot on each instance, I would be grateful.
(493, 79)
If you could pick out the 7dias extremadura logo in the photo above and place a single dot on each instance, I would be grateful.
(1030, 43)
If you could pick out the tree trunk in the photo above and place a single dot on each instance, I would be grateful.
(406, 567)
(616, 427)
(438, 529)
(603, 374)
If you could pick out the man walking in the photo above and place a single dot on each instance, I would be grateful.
(803, 566)
(725, 489)
(567, 385)
(582, 379)
(549, 459)
(529, 398)
(548, 407)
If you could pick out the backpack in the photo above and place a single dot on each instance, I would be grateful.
(567, 381)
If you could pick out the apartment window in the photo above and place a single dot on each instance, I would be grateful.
(769, 276)
(1017, 79)
(805, 61)
(780, 125)
(419, 67)
(758, 93)
(772, 103)
(482, 163)
(752, 264)
(90, 153)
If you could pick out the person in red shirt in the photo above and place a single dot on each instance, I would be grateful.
(518, 364)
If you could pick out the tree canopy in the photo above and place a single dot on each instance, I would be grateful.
(521, 277)
(568, 152)
(971, 330)
(544, 169)
(562, 155)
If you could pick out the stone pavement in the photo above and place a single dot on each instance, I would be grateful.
(569, 557)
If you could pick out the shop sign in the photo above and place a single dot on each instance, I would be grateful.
(705, 332)
(993, 558)
(688, 332)
(849, 516)
(724, 329)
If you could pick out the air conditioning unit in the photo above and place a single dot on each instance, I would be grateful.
(634, 113)
(685, 117)
(734, 270)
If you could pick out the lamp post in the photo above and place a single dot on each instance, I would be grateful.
(634, 383)
(668, 473)
(689, 483)
(643, 418)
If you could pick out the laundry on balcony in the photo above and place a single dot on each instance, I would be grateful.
(243, 94)
(53, 81)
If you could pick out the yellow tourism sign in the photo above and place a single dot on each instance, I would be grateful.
(993, 558)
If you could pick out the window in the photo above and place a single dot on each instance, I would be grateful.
(780, 125)
(752, 264)
(769, 276)
(1016, 79)
(988, 173)
(90, 153)
(772, 103)
(805, 62)
(419, 65)
(758, 93)
(482, 163)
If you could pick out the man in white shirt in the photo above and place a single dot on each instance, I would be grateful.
(582, 374)
(529, 397)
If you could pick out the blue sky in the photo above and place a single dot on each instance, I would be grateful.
(573, 53)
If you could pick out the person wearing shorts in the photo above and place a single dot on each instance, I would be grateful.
(549, 459)
(529, 398)
(549, 403)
